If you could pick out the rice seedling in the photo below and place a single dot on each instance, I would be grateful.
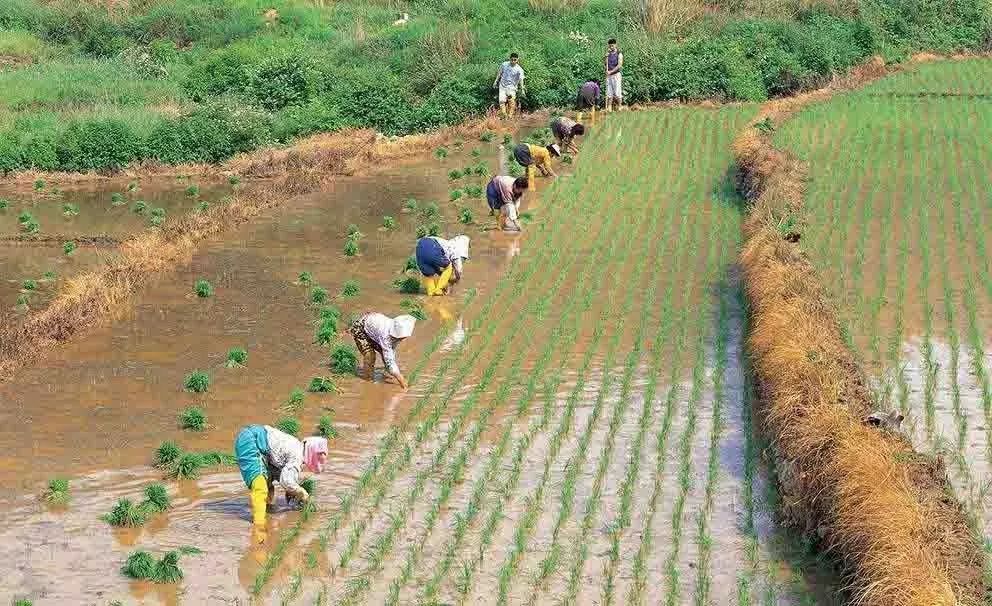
(187, 466)
(234, 179)
(476, 152)
(203, 289)
(473, 191)
(167, 569)
(157, 218)
(139, 565)
(514, 169)
(353, 232)
(327, 331)
(309, 485)
(389, 223)
(295, 400)
(117, 199)
(507, 139)
(197, 381)
(441, 153)
(193, 418)
(408, 285)
(481, 169)
(57, 492)
(350, 247)
(289, 425)
(527, 216)
(69, 210)
(414, 308)
(126, 514)
(411, 264)
(305, 279)
(68, 247)
(465, 217)
(454, 174)
(49, 275)
(31, 226)
(24, 217)
(350, 288)
(567, 159)
(4, 203)
(236, 357)
(192, 191)
(23, 602)
(139, 207)
(323, 385)
(487, 136)
(166, 454)
(156, 498)
(132, 186)
(430, 212)
(431, 229)
(29, 285)
(203, 206)
(456, 194)
(344, 359)
(410, 205)
(39, 184)
(329, 313)
(318, 295)
(325, 426)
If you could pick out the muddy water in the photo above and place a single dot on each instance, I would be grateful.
(95, 409)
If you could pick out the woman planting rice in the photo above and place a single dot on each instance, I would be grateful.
(565, 130)
(503, 194)
(376, 333)
(440, 262)
(266, 455)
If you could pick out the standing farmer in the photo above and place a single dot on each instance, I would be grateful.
(529, 156)
(503, 194)
(565, 130)
(509, 77)
(266, 455)
(376, 333)
(440, 262)
(614, 84)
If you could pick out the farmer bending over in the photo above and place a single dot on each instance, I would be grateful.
(266, 455)
(588, 96)
(440, 262)
(503, 194)
(509, 77)
(376, 333)
(565, 130)
(614, 79)
(529, 156)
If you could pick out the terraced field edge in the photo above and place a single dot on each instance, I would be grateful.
(883, 512)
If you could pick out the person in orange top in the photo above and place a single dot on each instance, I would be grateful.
(534, 155)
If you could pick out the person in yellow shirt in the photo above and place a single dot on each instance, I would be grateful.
(535, 155)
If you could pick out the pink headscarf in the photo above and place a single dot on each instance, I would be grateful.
(312, 449)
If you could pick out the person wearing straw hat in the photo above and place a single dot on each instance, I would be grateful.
(530, 156)
(266, 455)
(440, 262)
(377, 333)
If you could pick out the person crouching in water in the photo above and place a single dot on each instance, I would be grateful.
(440, 262)
(266, 455)
(377, 333)
(503, 195)
(565, 130)
(529, 156)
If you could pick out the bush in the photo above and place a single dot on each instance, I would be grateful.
(210, 133)
(282, 81)
(89, 144)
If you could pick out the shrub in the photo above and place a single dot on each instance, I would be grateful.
(193, 418)
(125, 514)
(203, 289)
(282, 81)
(236, 357)
(58, 492)
(139, 565)
(350, 288)
(166, 454)
(350, 247)
(209, 133)
(139, 207)
(408, 285)
(156, 498)
(94, 143)
(388, 222)
(289, 425)
(325, 426)
(323, 385)
(344, 359)
(318, 295)
(197, 382)
(69, 247)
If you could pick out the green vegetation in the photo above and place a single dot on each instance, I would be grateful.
(139, 207)
(455, 194)
(305, 278)
(344, 359)
(70, 210)
(234, 179)
(411, 264)
(193, 418)
(351, 247)
(187, 466)
(197, 381)
(408, 285)
(325, 426)
(167, 454)
(192, 191)
(203, 289)
(430, 229)
(68, 247)
(29, 285)
(4, 203)
(295, 400)
(57, 492)
(289, 425)
(413, 307)
(117, 199)
(157, 217)
(126, 514)
(323, 385)
(318, 295)
(410, 205)
(465, 217)
(350, 288)
(327, 330)
(156, 498)
(389, 222)
(139, 565)
(236, 357)
(203, 206)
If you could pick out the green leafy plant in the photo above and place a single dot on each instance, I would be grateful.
(350, 247)
(515, 170)
(49, 275)
(57, 492)
(29, 285)
(39, 184)
(766, 126)
(476, 152)
(430, 212)
(22, 301)
(473, 191)
(70, 210)
(325, 426)
(430, 229)
(344, 359)
(567, 159)
(234, 179)
(329, 313)
(125, 514)
(193, 418)
(157, 217)
(197, 381)
(441, 153)
(507, 139)
(139, 207)
(481, 169)
(295, 400)
(465, 216)
(156, 498)
(487, 136)
(203, 206)
(408, 285)
(31, 226)
(289, 425)
(116, 199)
(24, 217)
(454, 174)
(166, 454)
(526, 216)
(203, 289)
(4, 203)
(414, 308)
(318, 295)
(411, 264)
(187, 466)
(327, 330)
(132, 186)
(305, 278)
(236, 357)
(167, 569)
(456, 194)
(69, 247)
(192, 191)
(139, 565)
(389, 222)
(354, 232)
(410, 205)
(350, 288)
(323, 385)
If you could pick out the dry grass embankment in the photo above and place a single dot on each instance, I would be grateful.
(885, 513)
(93, 297)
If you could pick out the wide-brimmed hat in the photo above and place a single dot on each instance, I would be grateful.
(402, 326)
(460, 246)
(554, 149)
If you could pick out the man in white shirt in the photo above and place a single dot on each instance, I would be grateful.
(509, 78)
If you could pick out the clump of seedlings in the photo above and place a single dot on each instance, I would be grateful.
(192, 191)
(465, 216)
(4, 203)
(410, 205)
(318, 295)
(325, 426)
(234, 179)
(126, 514)
(187, 466)
(481, 169)
(414, 308)
(323, 385)
(290, 425)
(156, 498)
(408, 285)
(69, 210)
(487, 136)
(157, 217)
(567, 159)
(203, 206)
(22, 302)
(351, 247)
(454, 174)
(430, 212)
(388, 222)
(515, 170)
(167, 569)
(139, 565)
(305, 278)
(441, 153)
(193, 418)
(116, 199)
(236, 357)
(476, 152)
(139, 207)
(295, 400)
(326, 331)
(39, 184)
(49, 275)
(344, 359)
(526, 216)
(142, 566)
(69, 247)
(24, 217)
(166, 454)
(57, 492)
(132, 186)
(353, 231)
(29, 284)
(456, 194)
(411, 264)
(473, 191)
(197, 381)
(29, 224)
(507, 139)
(350, 288)
(203, 289)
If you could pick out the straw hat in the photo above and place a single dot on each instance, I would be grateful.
(402, 326)
(460, 246)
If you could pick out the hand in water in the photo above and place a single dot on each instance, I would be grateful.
(258, 535)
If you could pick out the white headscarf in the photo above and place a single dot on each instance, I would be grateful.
(402, 326)
(459, 245)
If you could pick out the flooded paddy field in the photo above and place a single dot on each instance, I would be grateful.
(577, 430)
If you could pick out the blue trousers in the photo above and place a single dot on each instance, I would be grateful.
(250, 448)
(431, 259)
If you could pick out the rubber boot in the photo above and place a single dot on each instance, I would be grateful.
(530, 178)
(430, 285)
(259, 499)
(578, 117)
